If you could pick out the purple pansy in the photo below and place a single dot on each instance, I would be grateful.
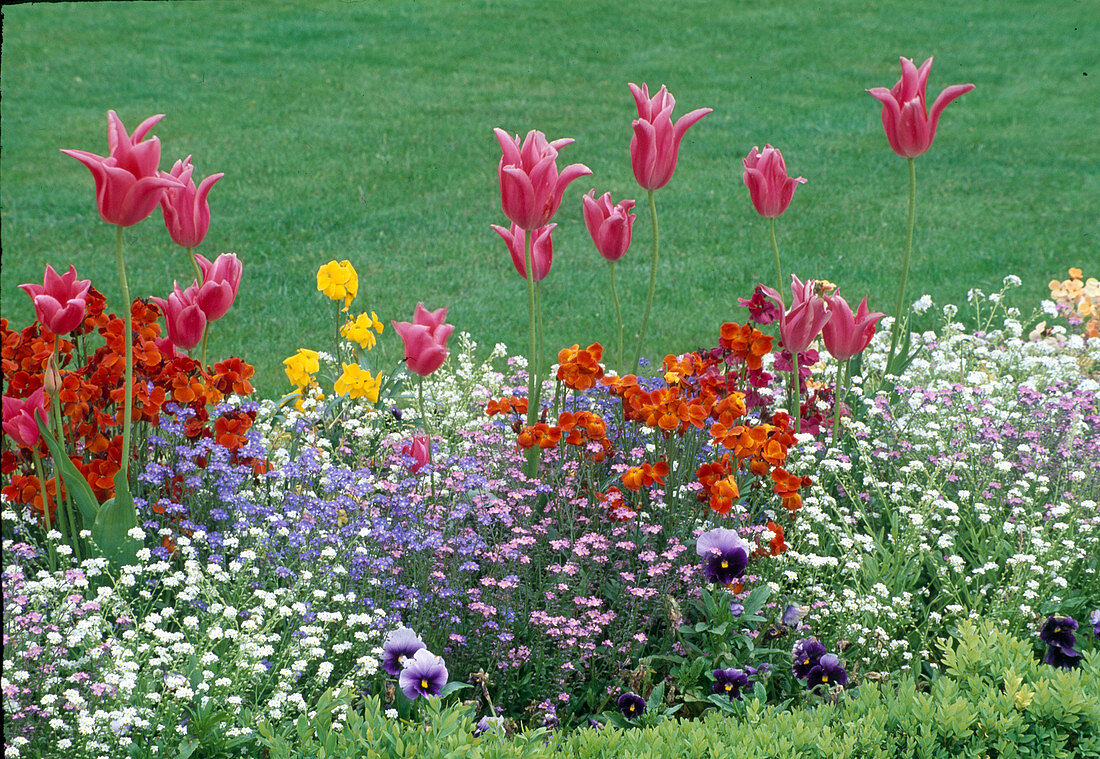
(400, 645)
(1058, 631)
(631, 705)
(725, 555)
(424, 674)
(1094, 620)
(806, 654)
(828, 671)
(1063, 658)
(729, 682)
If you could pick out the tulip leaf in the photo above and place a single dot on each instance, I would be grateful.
(113, 523)
(74, 481)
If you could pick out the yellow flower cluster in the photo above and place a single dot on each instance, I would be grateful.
(301, 367)
(358, 383)
(1080, 298)
(338, 281)
(359, 330)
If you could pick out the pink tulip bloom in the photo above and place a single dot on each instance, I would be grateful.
(19, 414)
(167, 350)
(542, 249)
(185, 318)
(847, 334)
(769, 186)
(186, 212)
(127, 185)
(809, 313)
(655, 146)
(221, 279)
(910, 127)
(60, 301)
(419, 449)
(610, 225)
(425, 339)
(530, 186)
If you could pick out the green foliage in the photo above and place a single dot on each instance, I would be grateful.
(993, 699)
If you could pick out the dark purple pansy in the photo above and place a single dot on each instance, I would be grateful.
(729, 682)
(806, 654)
(1058, 631)
(828, 672)
(1063, 658)
(1094, 620)
(399, 646)
(763, 669)
(725, 555)
(424, 674)
(792, 614)
(631, 705)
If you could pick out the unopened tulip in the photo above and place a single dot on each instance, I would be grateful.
(419, 450)
(185, 317)
(127, 184)
(186, 210)
(19, 417)
(910, 126)
(221, 279)
(530, 186)
(425, 339)
(542, 249)
(60, 301)
(655, 146)
(808, 314)
(846, 334)
(769, 186)
(610, 225)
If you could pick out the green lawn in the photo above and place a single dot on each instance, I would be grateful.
(363, 130)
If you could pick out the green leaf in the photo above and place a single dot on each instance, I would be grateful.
(75, 484)
(115, 519)
(451, 687)
(756, 600)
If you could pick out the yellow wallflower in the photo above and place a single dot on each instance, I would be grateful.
(301, 367)
(359, 330)
(358, 383)
(338, 281)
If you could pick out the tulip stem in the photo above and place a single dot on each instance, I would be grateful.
(895, 331)
(618, 318)
(652, 282)
(198, 282)
(838, 399)
(55, 399)
(45, 509)
(128, 399)
(532, 350)
(541, 352)
(775, 250)
(796, 391)
(427, 433)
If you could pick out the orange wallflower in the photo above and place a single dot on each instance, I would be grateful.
(787, 486)
(541, 434)
(645, 475)
(746, 343)
(511, 405)
(579, 369)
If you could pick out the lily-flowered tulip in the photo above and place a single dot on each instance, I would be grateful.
(766, 177)
(185, 317)
(221, 279)
(127, 184)
(60, 301)
(19, 414)
(419, 449)
(186, 210)
(530, 185)
(425, 339)
(910, 126)
(847, 334)
(655, 146)
(610, 225)
(808, 314)
(542, 249)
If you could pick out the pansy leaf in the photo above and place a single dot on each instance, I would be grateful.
(756, 600)
(451, 687)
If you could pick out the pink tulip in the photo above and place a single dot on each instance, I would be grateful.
(425, 339)
(610, 225)
(419, 449)
(185, 318)
(127, 185)
(186, 212)
(769, 186)
(166, 348)
(530, 186)
(847, 334)
(655, 146)
(809, 313)
(60, 300)
(220, 282)
(19, 414)
(542, 249)
(910, 128)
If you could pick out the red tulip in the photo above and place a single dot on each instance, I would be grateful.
(419, 449)
(60, 300)
(609, 225)
(19, 414)
(655, 146)
(185, 318)
(809, 313)
(910, 128)
(530, 186)
(542, 249)
(425, 339)
(769, 186)
(127, 185)
(847, 334)
(186, 212)
(221, 279)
